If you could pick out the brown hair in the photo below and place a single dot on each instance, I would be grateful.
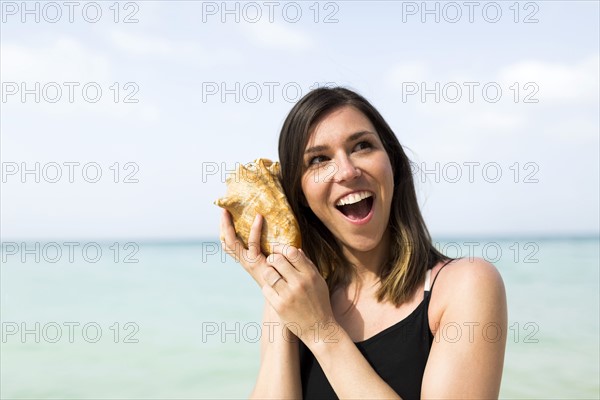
(411, 250)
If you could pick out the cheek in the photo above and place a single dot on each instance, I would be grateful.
(313, 193)
(387, 171)
(307, 191)
(390, 174)
(388, 166)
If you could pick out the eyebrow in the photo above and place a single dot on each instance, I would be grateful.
(351, 138)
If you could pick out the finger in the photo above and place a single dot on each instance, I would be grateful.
(271, 277)
(255, 234)
(280, 248)
(224, 216)
(273, 280)
(283, 267)
(290, 252)
(226, 226)
(232, 244)
(252, 261)
(272, 297)
(298, 259)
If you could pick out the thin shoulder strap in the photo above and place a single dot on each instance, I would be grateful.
(427, 280)
(438, 274)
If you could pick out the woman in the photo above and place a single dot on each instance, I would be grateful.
(357, 296)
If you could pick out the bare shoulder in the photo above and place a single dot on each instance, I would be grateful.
(467, 273)
(466, 286)
(476, 268)
(468, 317)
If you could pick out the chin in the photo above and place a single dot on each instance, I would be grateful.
(359, 244)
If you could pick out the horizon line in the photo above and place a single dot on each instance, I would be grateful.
(215, 239)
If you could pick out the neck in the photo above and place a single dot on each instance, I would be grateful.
(368, 264)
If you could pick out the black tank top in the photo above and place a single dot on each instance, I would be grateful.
(398, 354)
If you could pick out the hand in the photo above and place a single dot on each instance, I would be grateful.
(299, 294)
(252, 259)
(289, 280)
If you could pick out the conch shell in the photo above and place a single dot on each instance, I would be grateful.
(256, 188)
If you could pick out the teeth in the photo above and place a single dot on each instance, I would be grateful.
(353, 198)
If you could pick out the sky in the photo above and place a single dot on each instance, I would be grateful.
(121, 119)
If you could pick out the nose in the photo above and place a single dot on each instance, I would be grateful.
(345, 170)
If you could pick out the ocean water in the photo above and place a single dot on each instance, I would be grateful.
(182, 320)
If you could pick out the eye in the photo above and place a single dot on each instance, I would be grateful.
(316, 160)
(363, 145)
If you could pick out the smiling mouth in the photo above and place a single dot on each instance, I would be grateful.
(356, 206)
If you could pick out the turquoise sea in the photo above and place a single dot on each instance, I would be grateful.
(181, 320)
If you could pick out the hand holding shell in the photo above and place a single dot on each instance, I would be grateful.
(256, 189)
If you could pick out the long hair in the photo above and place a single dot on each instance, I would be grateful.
(411, 250)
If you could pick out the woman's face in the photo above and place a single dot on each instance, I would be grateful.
(348, 180)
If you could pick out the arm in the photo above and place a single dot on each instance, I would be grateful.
(279, 373)
(306, 303)
(468, 364)
(301, 299)
(348, 372)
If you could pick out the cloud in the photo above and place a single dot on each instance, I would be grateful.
(64, 59)
(414, 71)
(564, 113)
(61, 69)
(558, 82)
(160, 47)
(277, 36)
